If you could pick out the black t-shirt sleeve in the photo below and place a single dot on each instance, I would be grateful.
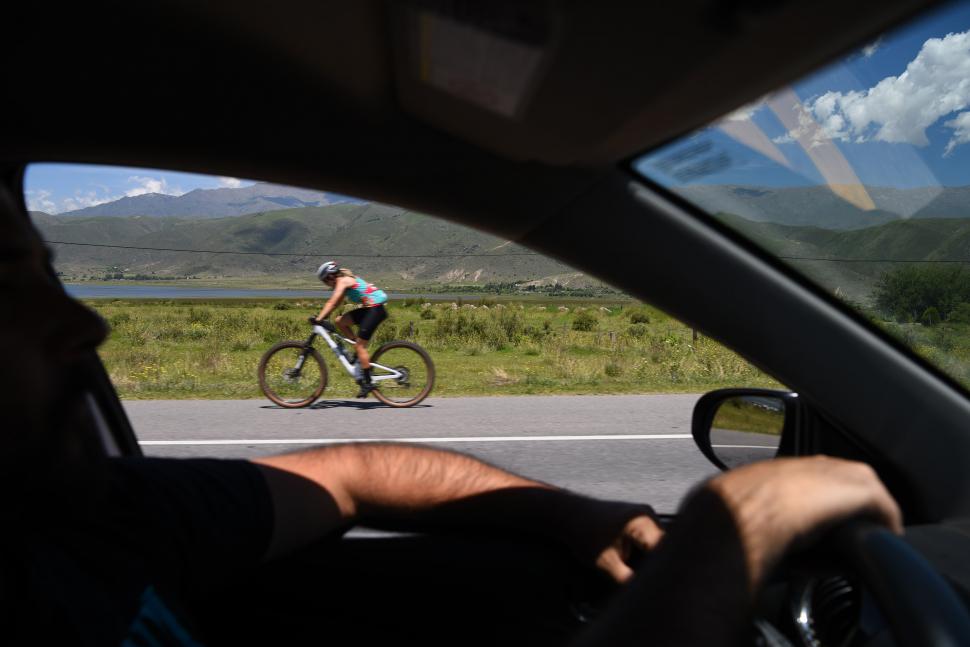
(201, 519)
(160, 540)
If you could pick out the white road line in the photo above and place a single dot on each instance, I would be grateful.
(744, 447)
(443, 439)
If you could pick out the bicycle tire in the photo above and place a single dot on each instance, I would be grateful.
(388, 396)
(265, 380)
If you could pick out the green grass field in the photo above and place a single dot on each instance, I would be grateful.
(738, 415)
(210, 349)
(946, 345)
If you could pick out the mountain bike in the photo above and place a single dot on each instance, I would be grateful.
(292, 373)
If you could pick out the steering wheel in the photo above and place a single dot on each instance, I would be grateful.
(920, 606)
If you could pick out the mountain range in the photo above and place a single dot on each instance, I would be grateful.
(819, 206)
(212, 203)
(436, 251)
(803, 225)
(850, 261)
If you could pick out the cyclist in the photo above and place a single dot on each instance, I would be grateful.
(344, 283)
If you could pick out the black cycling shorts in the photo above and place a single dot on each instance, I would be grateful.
(367, 320)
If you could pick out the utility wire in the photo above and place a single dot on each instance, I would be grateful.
(868, 260)
(303, 255)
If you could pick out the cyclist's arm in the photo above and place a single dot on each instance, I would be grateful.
(316, 492)
(338, 295)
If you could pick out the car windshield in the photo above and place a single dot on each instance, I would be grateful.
(858, 176)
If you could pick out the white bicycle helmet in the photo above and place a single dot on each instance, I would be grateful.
(327, 269)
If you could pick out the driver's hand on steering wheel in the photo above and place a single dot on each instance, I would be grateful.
(779, 503)
(610, 534)
(640, 534)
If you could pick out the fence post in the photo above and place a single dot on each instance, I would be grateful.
(410, 329)
(693, 335)
(613, 339)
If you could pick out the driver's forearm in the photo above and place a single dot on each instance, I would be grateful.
(408, 487)
(416, 488)
(388, 481)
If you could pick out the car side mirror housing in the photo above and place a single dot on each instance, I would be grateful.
(734, 427)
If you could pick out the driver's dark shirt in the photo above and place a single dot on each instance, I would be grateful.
(165, 536)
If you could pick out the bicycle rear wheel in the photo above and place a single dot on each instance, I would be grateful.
(288, 381)
(417, 374)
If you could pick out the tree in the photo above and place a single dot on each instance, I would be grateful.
(930, 317)
(910, 292)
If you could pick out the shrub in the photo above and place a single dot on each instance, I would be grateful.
(960, 314)
(282, 305)
(907, 293)
(201, 315)
(613, 369)
(585, 322)
(496, 329)
(637, 331)
(116, 320)
(427, 314)
(639, 318)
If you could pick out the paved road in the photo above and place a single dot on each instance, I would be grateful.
(630, 447)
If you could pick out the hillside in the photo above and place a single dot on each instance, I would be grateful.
(339, 231)
(818, 206)
(917, 239)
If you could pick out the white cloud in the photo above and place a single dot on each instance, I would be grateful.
(872, 48)
(807, 131)
(230, 182)
(101, 194)
(145, 185)
(40, 200)
(746, 112)
(899, 109)
(84, 199)
(961, 131)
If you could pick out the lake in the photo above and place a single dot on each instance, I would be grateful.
(80, 291)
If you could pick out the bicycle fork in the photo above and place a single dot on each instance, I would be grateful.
(301, 359)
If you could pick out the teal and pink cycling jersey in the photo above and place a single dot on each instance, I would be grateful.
(366, 294)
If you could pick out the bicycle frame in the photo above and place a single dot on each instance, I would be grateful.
(331, 340)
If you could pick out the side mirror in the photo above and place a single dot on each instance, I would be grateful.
(734, 427)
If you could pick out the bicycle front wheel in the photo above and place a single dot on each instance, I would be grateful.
(292, 375)
(415, 374)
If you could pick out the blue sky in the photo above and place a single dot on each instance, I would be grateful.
(894, 113)
(56, 188)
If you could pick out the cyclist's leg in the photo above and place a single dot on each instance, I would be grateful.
(367, 323)
(363, 355)
(344, 322)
